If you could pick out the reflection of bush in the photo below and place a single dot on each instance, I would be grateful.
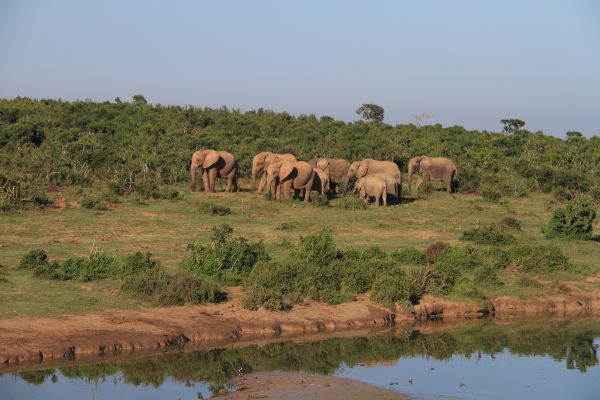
(571, 343)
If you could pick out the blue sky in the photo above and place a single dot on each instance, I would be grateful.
(468, 63)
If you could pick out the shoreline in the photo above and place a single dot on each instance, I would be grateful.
(114, 334)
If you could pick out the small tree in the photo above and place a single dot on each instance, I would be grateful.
(574, 220)
(139, 99)
(574, 134)
(512, 125)
(371, 112)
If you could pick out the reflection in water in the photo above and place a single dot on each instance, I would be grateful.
(568, 343)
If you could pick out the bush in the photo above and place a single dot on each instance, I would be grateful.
(214, 209)
(487, 234)
(410, 255)
(463, 258)
(228, 260)
(147, 278)
(286, 226)
(39, 199)
(394, 286)
(317, 248)
(350, 203)
(270, 285)
(575, 220)
(33, 260)
(539, 258)
(434, 250)
(486, 275)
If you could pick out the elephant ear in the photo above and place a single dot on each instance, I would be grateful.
(322, 163)
(286, 170)
(362, 169)
(210, 158)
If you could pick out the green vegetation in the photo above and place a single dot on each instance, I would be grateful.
(574, 220)
(214, 209)
(140, 148)
(488, 234)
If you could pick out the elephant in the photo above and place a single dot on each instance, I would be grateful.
(286, 175)
(372, 186)
(367, 167)
(214, 164)
(261, 162)
(321, 181)
(337, 169)
(432, 168)
(391, 185)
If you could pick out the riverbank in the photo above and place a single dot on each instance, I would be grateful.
(112, 332)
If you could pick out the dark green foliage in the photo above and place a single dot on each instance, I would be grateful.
(539, 258)
(214, 209)
(394, 286)
(371, 112)
(270, 285)
(39, 199)
(137, 263)
(486, 275)
(33, 260)
(318, 248)
(488, 234)
(410, 255)
(350, 203)
(434, 251)
(574, 220)
(512, 125)
(228, 260)
(79, 143)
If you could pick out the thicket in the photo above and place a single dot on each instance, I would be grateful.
(139, 148)
(227, 259)
(140, 274)
(490, 234)
(574, 220)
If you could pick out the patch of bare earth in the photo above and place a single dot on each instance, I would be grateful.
(298, 386)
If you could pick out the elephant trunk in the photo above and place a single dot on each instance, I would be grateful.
(193, 170)
(254, 172)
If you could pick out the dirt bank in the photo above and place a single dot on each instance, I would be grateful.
(116, 331)
(296, 386)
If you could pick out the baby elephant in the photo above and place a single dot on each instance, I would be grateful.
(372, 186)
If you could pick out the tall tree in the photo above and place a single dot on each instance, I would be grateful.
(139, 99)
(371, 112)
(512, 125)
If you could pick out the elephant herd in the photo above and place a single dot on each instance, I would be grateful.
(284, 173)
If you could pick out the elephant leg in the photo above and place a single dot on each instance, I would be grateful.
(262, 183)
(287, 186)
(205, 180)
(332, 187)
(212, 175)
(230, 181)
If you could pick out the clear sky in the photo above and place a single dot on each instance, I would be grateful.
(469, 63)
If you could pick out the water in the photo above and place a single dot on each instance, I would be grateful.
(485, 360)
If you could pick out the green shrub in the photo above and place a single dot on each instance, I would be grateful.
(350, 203)
(426, 189)
(39, 199)
(488, 234)
(319, 200)
(548, 258)
(524, 281)
(228, 260)
(463, 258)
(410, 255)
(434, 250)
(486, 275)
(137, 263)
(317, 248)
(271, 285)
(444, 277)
(394, 286)
(33, 259)
(214, 209)
(89, 202)
(575, 220)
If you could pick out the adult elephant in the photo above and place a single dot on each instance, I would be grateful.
(214, 164)
(286, 175)
(366, 167)
(432, 169)
(261, 162)
(337, 168)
